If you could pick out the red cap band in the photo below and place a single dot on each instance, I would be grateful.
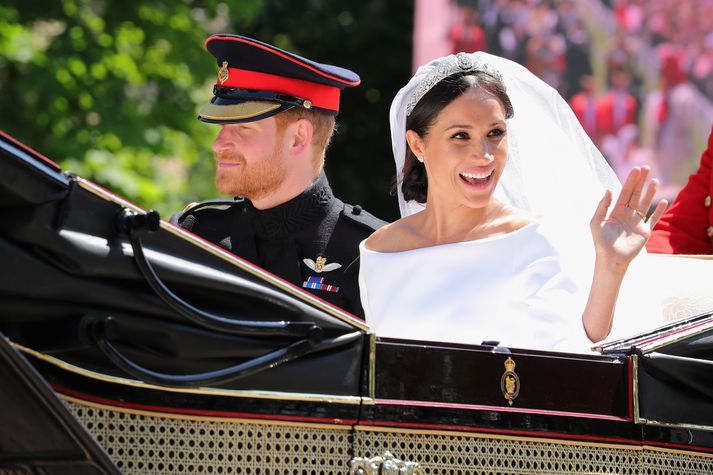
(322, 96)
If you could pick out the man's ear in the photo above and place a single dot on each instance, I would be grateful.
(300, 135)
(415, 143)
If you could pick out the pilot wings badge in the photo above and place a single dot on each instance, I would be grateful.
(321, 265)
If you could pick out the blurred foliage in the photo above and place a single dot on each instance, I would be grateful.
(110, 89)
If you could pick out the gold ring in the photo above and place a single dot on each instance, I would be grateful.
(641, 215)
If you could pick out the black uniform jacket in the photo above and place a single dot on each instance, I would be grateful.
(311, 241)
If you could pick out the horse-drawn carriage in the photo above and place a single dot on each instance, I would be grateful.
(176, 356)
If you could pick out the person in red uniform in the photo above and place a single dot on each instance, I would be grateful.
(618, 107)
(687, 226)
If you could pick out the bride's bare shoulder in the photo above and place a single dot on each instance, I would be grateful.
(401, 235)
(514, 219)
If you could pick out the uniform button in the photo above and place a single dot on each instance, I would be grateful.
(710, 231)
(707, 201)
(356, 210)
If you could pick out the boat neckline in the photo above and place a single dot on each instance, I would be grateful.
(496, 237)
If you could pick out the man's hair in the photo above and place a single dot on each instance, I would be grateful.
(323, 125)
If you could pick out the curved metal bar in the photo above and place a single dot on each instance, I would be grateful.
(133, 224)
(105, 330)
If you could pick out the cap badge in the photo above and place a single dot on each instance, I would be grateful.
(223, 73)
(320, 265)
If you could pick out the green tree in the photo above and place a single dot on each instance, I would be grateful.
(110, 89)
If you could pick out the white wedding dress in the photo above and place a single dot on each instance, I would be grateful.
(523, 289)
(512, 288)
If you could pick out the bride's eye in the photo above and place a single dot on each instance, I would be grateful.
(496, 133)
(460, 136)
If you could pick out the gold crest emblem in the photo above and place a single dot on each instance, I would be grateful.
(320, 265)
(510, 381)
(223, 73)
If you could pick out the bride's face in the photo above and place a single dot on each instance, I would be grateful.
(465, 149)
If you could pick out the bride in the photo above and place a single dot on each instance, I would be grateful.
(496, 183)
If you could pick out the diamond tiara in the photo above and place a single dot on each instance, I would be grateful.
(461, 62)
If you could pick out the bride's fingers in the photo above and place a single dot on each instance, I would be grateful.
(638, 188)
(600, 214)
(660, 208)
(628, 187)
(648, 198)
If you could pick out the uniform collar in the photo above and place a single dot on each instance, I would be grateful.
(307, 208)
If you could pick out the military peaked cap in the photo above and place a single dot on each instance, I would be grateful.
(257, 80)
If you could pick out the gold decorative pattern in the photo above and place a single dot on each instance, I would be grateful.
(223, 73)
(510, 382)
(385, 464)
(244, 110)
(686, 305)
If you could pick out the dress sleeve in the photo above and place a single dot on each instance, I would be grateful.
(557, 283)
(555, 307)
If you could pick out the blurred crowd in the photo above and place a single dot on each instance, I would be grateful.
(637, 73)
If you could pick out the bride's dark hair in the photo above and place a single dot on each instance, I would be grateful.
(415, 184)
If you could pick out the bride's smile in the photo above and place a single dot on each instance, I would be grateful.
(477, 178)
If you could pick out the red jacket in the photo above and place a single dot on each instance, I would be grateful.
(687, 226)
(607, 122)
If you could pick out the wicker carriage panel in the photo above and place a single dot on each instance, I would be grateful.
(464, 455)
(481, 454)
(662, 462)
(148, 445)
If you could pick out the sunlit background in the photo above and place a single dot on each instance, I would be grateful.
(110, 89)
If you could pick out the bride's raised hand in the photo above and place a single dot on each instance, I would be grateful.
(621, 234)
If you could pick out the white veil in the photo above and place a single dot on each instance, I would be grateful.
(553, 169)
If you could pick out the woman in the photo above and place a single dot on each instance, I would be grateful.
(507, 173)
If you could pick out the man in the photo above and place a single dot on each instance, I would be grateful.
(276, 111)
(687, 226)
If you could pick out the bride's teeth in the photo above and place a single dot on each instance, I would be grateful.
(478, 176)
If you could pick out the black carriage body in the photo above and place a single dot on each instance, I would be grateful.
(227, 369)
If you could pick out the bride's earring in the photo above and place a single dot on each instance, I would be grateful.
(419, 158)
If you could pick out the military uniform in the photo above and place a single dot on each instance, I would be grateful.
(687, 226)
(311, 241)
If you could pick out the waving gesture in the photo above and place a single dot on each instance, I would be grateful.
(619, 237)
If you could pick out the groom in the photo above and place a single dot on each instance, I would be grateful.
(276, 115)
